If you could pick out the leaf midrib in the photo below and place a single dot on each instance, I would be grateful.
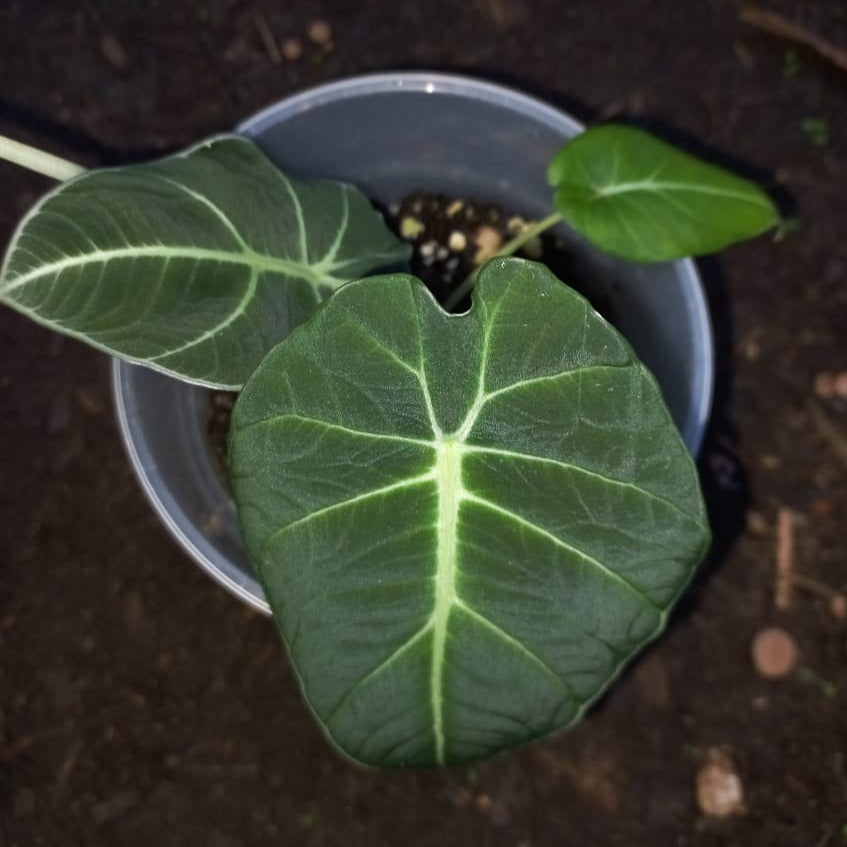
(261, 262)
(448, 474)
(658, 187)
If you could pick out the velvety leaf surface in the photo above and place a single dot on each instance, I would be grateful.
(465, 524)
(639, 198)
(195, 265)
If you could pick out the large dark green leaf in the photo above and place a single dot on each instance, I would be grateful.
(195, 265)
(465, 524)
(641, 199)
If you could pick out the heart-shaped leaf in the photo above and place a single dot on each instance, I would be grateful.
(641, 199)
(195, 265)
(465, 524)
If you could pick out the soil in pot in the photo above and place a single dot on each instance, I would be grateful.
(449, 237)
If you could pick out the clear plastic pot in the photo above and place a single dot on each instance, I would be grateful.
(391, 134)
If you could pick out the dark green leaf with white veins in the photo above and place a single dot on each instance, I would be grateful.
(195, 265)
(465, 524)
(641, 199)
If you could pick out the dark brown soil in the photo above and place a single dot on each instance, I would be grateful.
(451, 236)
(140, 704)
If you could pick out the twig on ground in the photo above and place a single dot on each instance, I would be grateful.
(22, 744)
(783, 587)
(268, 39)
(776, 24)
(813, 586)
(63, 774)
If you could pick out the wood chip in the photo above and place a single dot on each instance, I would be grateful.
(115, 806)
(90, 401)
(774, 652)
(720, 793)
(757, 523)
(783, 586)
(114, 53)
(69, 763)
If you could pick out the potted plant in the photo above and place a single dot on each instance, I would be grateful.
(466, 524)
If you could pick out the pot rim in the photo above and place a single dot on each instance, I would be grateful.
(222, 569)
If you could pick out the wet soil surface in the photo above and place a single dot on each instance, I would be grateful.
(140, 704)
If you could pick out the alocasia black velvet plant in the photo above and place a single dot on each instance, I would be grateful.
(465, 524)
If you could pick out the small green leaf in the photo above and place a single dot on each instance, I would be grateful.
(466, 525)
(195, 265)
(641, 199)
(817, 130)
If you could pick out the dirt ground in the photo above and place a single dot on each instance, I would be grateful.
(141, 705)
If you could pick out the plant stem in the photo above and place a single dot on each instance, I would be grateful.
(526, 234)
(38, 160)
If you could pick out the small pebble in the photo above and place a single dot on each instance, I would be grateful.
(483, 802)
(454, 208)
(411, 228)
(488, 242)
(291, 49)
(720, 793)
(757, 523)
(824, 385)
(320, 32)
(457, 241)
(752, 349)
(515, 224)
(838, 606)
(828, 385)
(775, 654)
(427, 249)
